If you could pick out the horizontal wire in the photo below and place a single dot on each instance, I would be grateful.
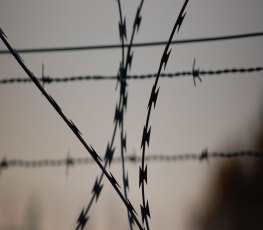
(70, 161)
(49, 80)
(141, 44)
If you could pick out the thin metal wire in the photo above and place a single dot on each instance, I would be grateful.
(145, 210)
(6, 164)
(216, 72)
(135, 45)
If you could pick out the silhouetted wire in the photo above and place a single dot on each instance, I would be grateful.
(143, 174)
(73, 128)
(136, 45)
(118, 119)
(132, 158)
(98, 186)
(126, 65)
(123, 98)
(49, 80)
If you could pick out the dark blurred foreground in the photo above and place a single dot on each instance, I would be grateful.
(235, 195)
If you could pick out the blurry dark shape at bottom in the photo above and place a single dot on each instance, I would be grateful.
(236, 198)
(235, 195)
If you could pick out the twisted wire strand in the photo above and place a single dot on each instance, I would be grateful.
(216, 72)
(6, 164)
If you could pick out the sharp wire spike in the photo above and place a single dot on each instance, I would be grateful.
(146, 136)
(165, 58)
(109, 154)
(154, 96)
(82, 220)
(138, 19)
(69, 162)
(97, 188)
(180, 21)
(145, 211)
(142, 176)
(204, 155)
(196, 73)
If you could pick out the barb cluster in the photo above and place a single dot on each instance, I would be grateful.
(123, 100)
(118, 120)
(122, 78)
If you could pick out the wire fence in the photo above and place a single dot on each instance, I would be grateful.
(216, 72)
(121, 78)
(136, 45)
(69, 161)
(82, 220)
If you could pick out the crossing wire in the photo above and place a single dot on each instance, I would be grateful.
(74, 129)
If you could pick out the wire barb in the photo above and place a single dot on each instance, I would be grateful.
(196, 73)
(82, 220)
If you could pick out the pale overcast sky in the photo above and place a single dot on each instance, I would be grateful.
(220, 114)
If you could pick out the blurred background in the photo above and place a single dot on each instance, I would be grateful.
(223, 113)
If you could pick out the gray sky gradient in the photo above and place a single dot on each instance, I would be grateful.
(221, 113)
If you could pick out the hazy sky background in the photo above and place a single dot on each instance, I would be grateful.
(221, 113)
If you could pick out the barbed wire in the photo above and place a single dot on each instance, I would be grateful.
(76, 132)
(136, 45)
(126, 64)
(118, 119)
(69, 161)
(119, 116)
(98, 186)
(216, 72)
(123, 98)
(143, 174)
